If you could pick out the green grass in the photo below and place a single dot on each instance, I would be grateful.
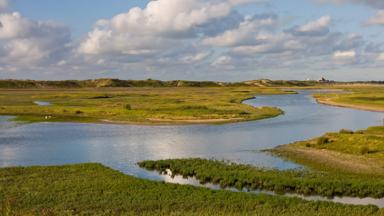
(351, 142)
(358, 152)
(92, 189)
(137, 105)
(362, 97)
(291, 181)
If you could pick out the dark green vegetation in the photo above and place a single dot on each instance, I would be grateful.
(250, 177)
(92, 189)
(360, 152)
(145, 105)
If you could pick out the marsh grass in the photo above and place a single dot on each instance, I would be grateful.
(92, 189)
(355, 154)
(145, 105)
(361, 96)
(370, 141)
(290, 181)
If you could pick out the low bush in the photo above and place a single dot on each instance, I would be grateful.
(322, 140)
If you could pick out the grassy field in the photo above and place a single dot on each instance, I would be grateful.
(359, 152)
(144, 105)
(367, 97)
(92, 189)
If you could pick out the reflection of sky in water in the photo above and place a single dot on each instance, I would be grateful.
(345, 200)
(122, 146)
(42, 103)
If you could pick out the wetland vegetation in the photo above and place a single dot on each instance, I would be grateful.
(366, 97)
(344, 163)
(137, 105)
(241, 176)
(92, 189)
(357, 152)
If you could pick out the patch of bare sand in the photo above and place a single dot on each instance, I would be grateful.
(329, 101)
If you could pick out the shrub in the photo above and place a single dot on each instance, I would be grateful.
(191, 107)
(78, 112)
(322, 140)
(244, 113)
(345, 131)
(128, 107)
(364, 150)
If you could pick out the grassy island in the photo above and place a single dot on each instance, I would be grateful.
(137, 105)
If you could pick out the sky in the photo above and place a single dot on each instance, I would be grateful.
(225, 40)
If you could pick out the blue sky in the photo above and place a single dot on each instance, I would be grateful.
(213, 39)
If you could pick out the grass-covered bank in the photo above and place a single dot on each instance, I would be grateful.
(290, 181)
(92, 189)
(165, 105)
(355, 152)
(365, 97)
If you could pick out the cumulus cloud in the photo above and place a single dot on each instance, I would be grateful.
(380, 57)
(24, 42)
(378, 19)
(245, 33)
(316, 27)
(190, 36)
(312, 44)
(160, 24)
(349, 54)
(252, 37)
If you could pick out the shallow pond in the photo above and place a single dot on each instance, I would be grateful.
(122, 146)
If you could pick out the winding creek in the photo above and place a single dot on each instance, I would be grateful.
(122, 146)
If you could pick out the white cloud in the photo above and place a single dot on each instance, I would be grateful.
(378, 19)
(317, 25)
(381, 57)
(196, 57)
(25, 42)
(222, 61)
(168, 38)
(159, 25)
(246, 33)
(350, 54)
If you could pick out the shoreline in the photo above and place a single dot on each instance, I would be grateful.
(329, 160)
(152, 121)
(329, 102)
